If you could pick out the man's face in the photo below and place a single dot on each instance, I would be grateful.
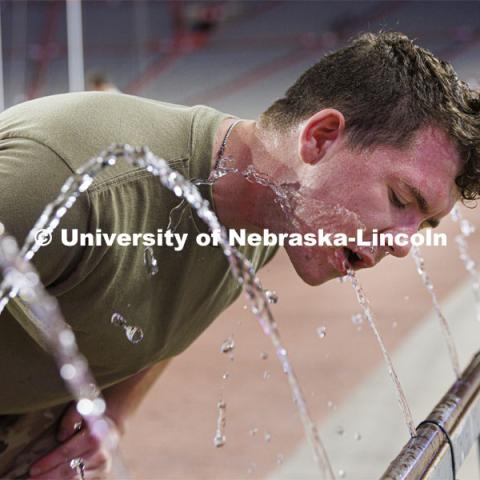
(384, 188)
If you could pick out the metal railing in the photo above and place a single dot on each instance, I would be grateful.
(446, 436)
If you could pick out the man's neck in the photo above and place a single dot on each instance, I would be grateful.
(239, 202)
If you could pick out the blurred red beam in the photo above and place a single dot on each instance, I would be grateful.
(46, 51)
(186, 43)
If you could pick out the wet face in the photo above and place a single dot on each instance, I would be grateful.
(384, 188)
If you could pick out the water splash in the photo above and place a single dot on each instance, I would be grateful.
(357, 319)
(20, 276)
(272, 296)
(150, 262)
(133, 333)
(447, 335)
(220, 439)
(228, 345)
(322, 332)
(241, 267)
(402, 399)
(466, 229)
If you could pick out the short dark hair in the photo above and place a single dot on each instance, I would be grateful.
(387, 87)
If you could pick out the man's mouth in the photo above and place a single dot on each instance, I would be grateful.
(347, 259)
(359, 258)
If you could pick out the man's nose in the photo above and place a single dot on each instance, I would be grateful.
(402, 248)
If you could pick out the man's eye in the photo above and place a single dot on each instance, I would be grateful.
(396, 201)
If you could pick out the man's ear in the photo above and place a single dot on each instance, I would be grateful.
(319, 133)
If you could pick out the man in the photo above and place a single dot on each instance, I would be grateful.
(379, 135)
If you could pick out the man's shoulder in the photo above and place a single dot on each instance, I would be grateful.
(78, 126)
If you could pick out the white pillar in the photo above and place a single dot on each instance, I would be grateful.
(2, 90)
(76, 73)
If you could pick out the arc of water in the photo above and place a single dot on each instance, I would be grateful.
(242, 269)
(401, 397)
(447, 334)
(20, 277)
(466, 229)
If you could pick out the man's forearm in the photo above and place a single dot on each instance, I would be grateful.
(124, 398)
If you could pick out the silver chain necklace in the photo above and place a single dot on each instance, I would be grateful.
(221, 150)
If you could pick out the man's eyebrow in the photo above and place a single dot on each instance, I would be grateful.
(422, 204)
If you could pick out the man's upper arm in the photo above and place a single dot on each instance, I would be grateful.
(31, 175)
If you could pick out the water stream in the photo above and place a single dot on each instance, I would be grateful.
(466, 229)
(367, 313)
(20, 277)
(452, 350)
(242, 269)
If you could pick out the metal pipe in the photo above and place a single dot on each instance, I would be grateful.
(428, 453)
(478, 453)
(76, 73)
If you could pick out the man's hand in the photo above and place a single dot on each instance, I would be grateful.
(122, 400)
(77, 443)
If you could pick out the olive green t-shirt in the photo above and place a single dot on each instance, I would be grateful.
(42, 142)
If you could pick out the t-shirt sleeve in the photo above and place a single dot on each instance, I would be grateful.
(31, 176)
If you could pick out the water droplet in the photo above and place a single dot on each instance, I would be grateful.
(466, 228)
(343, 279)
(150, 262)
(228, 345)
(455, 213)
(340, 430)
(272, 296)
(342, 474)
(253, 431)
(99, 406)
(219, 441)
(322, 332)
(85, 407)
(225, 375)
(264, 355)
(406, 298)
(330, 404)
(118, 320)
(67, 338)
(357, 319)
(68, 371)
(394, 325)
(280, 458)
(268, 437)
(357, 436)
(266, 375)
(251, 468)
(134, 334)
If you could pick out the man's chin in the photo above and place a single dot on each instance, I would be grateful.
(316, 278)
(313, 272)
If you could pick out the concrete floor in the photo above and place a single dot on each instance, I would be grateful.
(371, 400)
(342, 375)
